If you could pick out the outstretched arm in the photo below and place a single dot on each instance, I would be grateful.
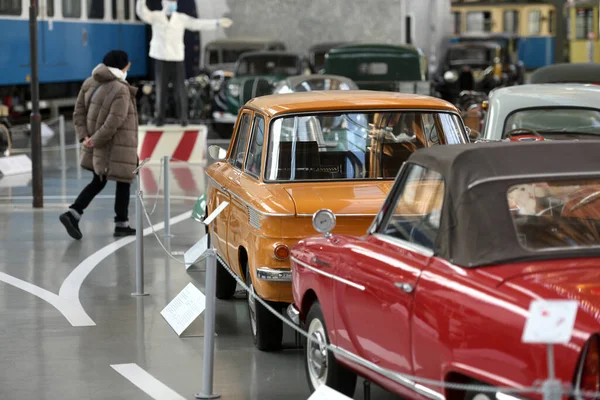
(144, 12)
(197, 24)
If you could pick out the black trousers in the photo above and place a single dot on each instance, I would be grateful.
(174, 72)
(94, 187)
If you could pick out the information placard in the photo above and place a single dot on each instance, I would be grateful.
(550, 321)
(183, 310)
(14, 165)
(195, 252)
(327, 393)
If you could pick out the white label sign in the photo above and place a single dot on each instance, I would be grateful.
(550, 321)
(195, 252)
(184, 308)
(14, 165)
(327, 393)
(216, 213)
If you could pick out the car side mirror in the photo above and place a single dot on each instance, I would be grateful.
(324, 221)
(217, 153)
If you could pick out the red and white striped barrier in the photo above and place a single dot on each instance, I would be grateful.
(181, 143)
(186, 180)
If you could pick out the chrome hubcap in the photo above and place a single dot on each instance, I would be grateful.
(316, 353)
(252, 308)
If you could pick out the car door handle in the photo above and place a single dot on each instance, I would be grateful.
(406, 287)
(320, 262)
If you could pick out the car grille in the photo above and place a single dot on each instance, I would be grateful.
(466, 80)
(253, 88)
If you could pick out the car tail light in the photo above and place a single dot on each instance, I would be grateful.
(589, 370)
(281, 252)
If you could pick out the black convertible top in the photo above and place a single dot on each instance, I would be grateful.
(567, 73)
(476, 227)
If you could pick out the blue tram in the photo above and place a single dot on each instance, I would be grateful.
(532, 22)
(73, 36)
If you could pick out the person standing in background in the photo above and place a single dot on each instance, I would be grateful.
(167, 49)
(106, 123)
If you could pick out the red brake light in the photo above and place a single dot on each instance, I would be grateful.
(590, 369)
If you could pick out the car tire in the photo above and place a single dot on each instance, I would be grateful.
(226, 284)
(320, 365)
(266, 328)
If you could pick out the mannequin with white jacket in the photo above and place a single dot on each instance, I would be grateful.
(168, 50)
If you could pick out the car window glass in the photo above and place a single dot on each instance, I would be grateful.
(236, 158)
(415, 214)
(255, 150)
(555, 122)
(351, 146)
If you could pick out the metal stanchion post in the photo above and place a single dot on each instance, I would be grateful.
(167, 194)
(551, 388)
(78, 157)
(209, 327)
(139, 240)
(61, 137)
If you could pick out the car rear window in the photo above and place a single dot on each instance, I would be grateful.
(555, 121)
(556, 215)
(353, 146)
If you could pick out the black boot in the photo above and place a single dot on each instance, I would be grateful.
(124, 231)
(71, 224)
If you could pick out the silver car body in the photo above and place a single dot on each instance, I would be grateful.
(505, 101)
(308, 83)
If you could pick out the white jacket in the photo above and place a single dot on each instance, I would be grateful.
(167, 33)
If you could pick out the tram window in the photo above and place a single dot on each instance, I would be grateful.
(551, 21)
(115, 13)
(71, 8)
(50, 8)
(95, 9)
(584, 23)
(534, 22)
(457, 23)
(409, 29)
(511, 21)
(479, 21)
(10, 7)
(126, 9)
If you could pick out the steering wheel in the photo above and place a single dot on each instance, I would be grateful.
(521, 132)
(357, 165)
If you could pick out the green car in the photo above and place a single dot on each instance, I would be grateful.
(383, 67)
(255, 74)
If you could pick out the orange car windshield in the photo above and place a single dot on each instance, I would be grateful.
(556, 215)
(353, 146)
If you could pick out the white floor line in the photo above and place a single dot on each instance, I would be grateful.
(100, 196)
(67, 301)
(146, 382)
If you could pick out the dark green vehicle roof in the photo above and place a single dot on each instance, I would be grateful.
(374, 49)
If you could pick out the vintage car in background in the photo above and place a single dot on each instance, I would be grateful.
(393, 68)
(567, 73)
(309, 83)
(441, 284)
(199, 100)
(317, 53)
(222, 54)
(471, 67)
(512, 67)
(5, 131)
(293, 154)
(546, 111)
(255, 74)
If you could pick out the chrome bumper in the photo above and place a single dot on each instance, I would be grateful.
(294, 314)
(274, 275)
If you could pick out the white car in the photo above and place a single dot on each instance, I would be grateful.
(548, 111)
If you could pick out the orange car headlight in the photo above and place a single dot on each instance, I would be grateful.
(281, 252)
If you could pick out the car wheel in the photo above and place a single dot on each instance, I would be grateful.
(226, 284)
(478, 395)
(320, 364)
(266, 328)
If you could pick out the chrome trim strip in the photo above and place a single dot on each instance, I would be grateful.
(396, 377)
(244, 202)
(533, 176)
(334, 277)
(405, 245)
(293, 314)
(274, 275)
(341, 215)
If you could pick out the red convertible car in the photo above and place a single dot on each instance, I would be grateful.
(440, 286)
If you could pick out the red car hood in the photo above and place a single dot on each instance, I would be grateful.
(560, 279)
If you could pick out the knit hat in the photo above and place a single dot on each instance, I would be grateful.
(116, 59)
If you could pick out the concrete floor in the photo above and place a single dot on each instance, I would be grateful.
(45, 357)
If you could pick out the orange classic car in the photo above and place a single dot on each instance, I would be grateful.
(293, 154)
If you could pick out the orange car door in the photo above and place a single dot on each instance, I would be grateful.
(237, 216)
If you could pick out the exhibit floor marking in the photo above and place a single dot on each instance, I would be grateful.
(146, 382)
(67, 301)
